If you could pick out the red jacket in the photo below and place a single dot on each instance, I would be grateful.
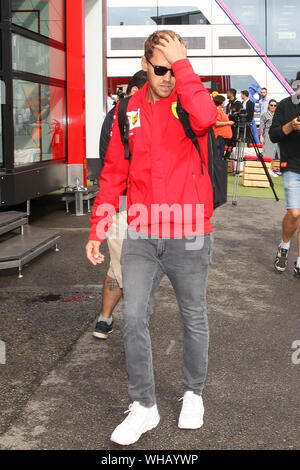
(165, 167)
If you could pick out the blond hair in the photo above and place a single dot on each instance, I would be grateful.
(154, 39)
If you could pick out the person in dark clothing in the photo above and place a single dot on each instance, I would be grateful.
(247, 104)
(234, 105)
(112, 286)
(136, 82)
(120, 93)
(285, 130)
(248, 107)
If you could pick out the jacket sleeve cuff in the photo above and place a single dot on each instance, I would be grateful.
(94, 236)
(182, 64)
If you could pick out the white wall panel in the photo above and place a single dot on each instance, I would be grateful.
(94, 62)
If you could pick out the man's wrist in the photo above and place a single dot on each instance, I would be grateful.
(177, 59)
(287, 128)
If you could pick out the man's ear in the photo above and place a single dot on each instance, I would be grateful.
(133, 90)
(144, 64)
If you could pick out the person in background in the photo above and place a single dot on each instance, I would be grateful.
(223, 127)
(234, 105)
(110, 101)
(120, 93)
(112, 286)
(285, 129)
(269, 149)
(263, 102)
(248, 105)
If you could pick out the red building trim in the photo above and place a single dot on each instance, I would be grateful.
(75, 66)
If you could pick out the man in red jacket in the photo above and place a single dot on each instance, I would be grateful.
(169, 204)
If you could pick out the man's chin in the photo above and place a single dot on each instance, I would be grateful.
(165, 93)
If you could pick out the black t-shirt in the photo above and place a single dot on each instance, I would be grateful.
(285, 112)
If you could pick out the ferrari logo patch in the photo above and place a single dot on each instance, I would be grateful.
(134, 119)
(174, 109)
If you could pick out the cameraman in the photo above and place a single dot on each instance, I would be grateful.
(232, 109)
(234, 106)
(285, 129)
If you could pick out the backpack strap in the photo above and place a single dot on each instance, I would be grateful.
(124, 125)
(185, 121)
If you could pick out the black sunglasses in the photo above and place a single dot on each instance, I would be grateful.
(275, 105)
(160, 70)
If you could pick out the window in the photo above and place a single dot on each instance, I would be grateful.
(288, 67)
(283, 27)
(130, 16)
(36, 57)
(251, 14)
(135, 44)
(242, 82)
(232, 42)
(143, 15)
(180, 15)
(39, 122)
(44, 17)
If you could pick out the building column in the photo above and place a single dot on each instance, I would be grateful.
(75, 65)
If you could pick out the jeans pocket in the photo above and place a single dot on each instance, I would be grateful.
(202, 245)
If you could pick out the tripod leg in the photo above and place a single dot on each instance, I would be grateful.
(261, 159)
(239, 159)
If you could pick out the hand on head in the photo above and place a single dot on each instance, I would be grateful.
(172, 48)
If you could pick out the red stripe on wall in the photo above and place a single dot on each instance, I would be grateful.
(76, 83)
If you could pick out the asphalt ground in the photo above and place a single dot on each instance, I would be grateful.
(61, 388)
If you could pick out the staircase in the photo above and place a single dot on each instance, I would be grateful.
(22, 247)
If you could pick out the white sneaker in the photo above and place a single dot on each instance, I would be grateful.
(192, 411)
(274, 174)
(139, 420)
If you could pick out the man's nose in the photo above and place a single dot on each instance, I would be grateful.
(167, 76)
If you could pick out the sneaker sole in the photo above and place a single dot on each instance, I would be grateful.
(279, 269)
(152, 425)
(102, 335)
(191, 426)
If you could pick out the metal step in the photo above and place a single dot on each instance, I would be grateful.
(11, 219)
(21, 249)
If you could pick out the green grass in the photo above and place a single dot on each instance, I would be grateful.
(265, 193)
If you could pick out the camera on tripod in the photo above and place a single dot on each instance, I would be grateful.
(240, 117)
(242, 136)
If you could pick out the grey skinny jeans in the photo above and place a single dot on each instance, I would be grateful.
(144, 262)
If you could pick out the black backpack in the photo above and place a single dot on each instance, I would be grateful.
(217, 167)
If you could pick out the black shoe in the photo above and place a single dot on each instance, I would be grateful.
(102, 329)
(296, 271)
(281, 261)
